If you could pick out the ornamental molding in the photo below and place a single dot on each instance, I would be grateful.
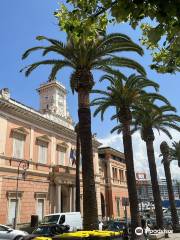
(62, 146)
(43, 138)
(20, 130)
(54, 83)
(12, 194)
(36, 119)
(20, 112)
(42, 195)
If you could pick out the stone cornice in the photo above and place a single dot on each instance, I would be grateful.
(51, 84)
(34, 117)
(111, 151)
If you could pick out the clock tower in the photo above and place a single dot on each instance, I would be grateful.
(53, 100)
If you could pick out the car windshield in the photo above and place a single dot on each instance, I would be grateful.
(42, 230)
(50, 219)
(119, 225)
(116, 225)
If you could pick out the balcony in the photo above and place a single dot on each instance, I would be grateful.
(118, 182)
(64, 169)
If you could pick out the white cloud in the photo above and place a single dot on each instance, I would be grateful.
(139, 151)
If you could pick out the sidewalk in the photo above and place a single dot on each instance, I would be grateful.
(174, 236)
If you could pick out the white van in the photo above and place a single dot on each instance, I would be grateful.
(73, 219)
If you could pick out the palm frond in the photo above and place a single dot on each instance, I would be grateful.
(156, 96)
(100, 92)
(58, 66)
(30, 50)
(119, 62)
(164, 130)
(117, 128)
(51, 40)
(28, 69)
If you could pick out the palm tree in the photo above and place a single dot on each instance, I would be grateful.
(125, 94)
(83, 58)
(175, 152)
(166, 161)
(149, 117)
(78, 147)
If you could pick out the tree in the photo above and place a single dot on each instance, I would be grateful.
(163, 37)
(125, 94)
(166, 162)
(148, 117)
(175, 152)
(83, 57)
(78, 148)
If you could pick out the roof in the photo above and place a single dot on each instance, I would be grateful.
(111, 150)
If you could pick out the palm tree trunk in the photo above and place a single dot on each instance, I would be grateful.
(90, 216)
(174, 215)
(77, 169)
(131, 180)
(154, 182)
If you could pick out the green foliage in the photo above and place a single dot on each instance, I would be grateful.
(166, 57)
(150, 116)
(124, 94)
(78, 23)
(163, 39)
(85, 56)
(175, 152)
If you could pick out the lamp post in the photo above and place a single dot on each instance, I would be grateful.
(25, 166)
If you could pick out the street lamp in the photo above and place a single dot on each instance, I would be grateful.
(25, 165)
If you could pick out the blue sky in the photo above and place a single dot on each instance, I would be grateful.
(21, 21)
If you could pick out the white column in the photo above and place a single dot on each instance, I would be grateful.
(3, 131)
(81, 204)
(74, 199)
(53, 150)
(31, 143)
(31, 147)
(70, 198)
(58, 198)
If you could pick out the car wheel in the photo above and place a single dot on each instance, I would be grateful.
(19, 238)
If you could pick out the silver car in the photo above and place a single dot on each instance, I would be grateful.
(7, 233)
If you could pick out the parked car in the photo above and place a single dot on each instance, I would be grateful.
(73, 219)
(10, 233)
(49, 230)
(117, 226)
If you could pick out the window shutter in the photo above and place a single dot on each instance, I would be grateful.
(18, 147)
(61, 155)
(42, 152)
(11, 210)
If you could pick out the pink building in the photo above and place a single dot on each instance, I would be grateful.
(45, 139)
(113, 185)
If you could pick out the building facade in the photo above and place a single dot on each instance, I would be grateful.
(144, 188)
(113, 184)
(44, 139)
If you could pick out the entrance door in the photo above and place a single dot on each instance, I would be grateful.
(65, 207)
(11, 211)
(102, 205)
